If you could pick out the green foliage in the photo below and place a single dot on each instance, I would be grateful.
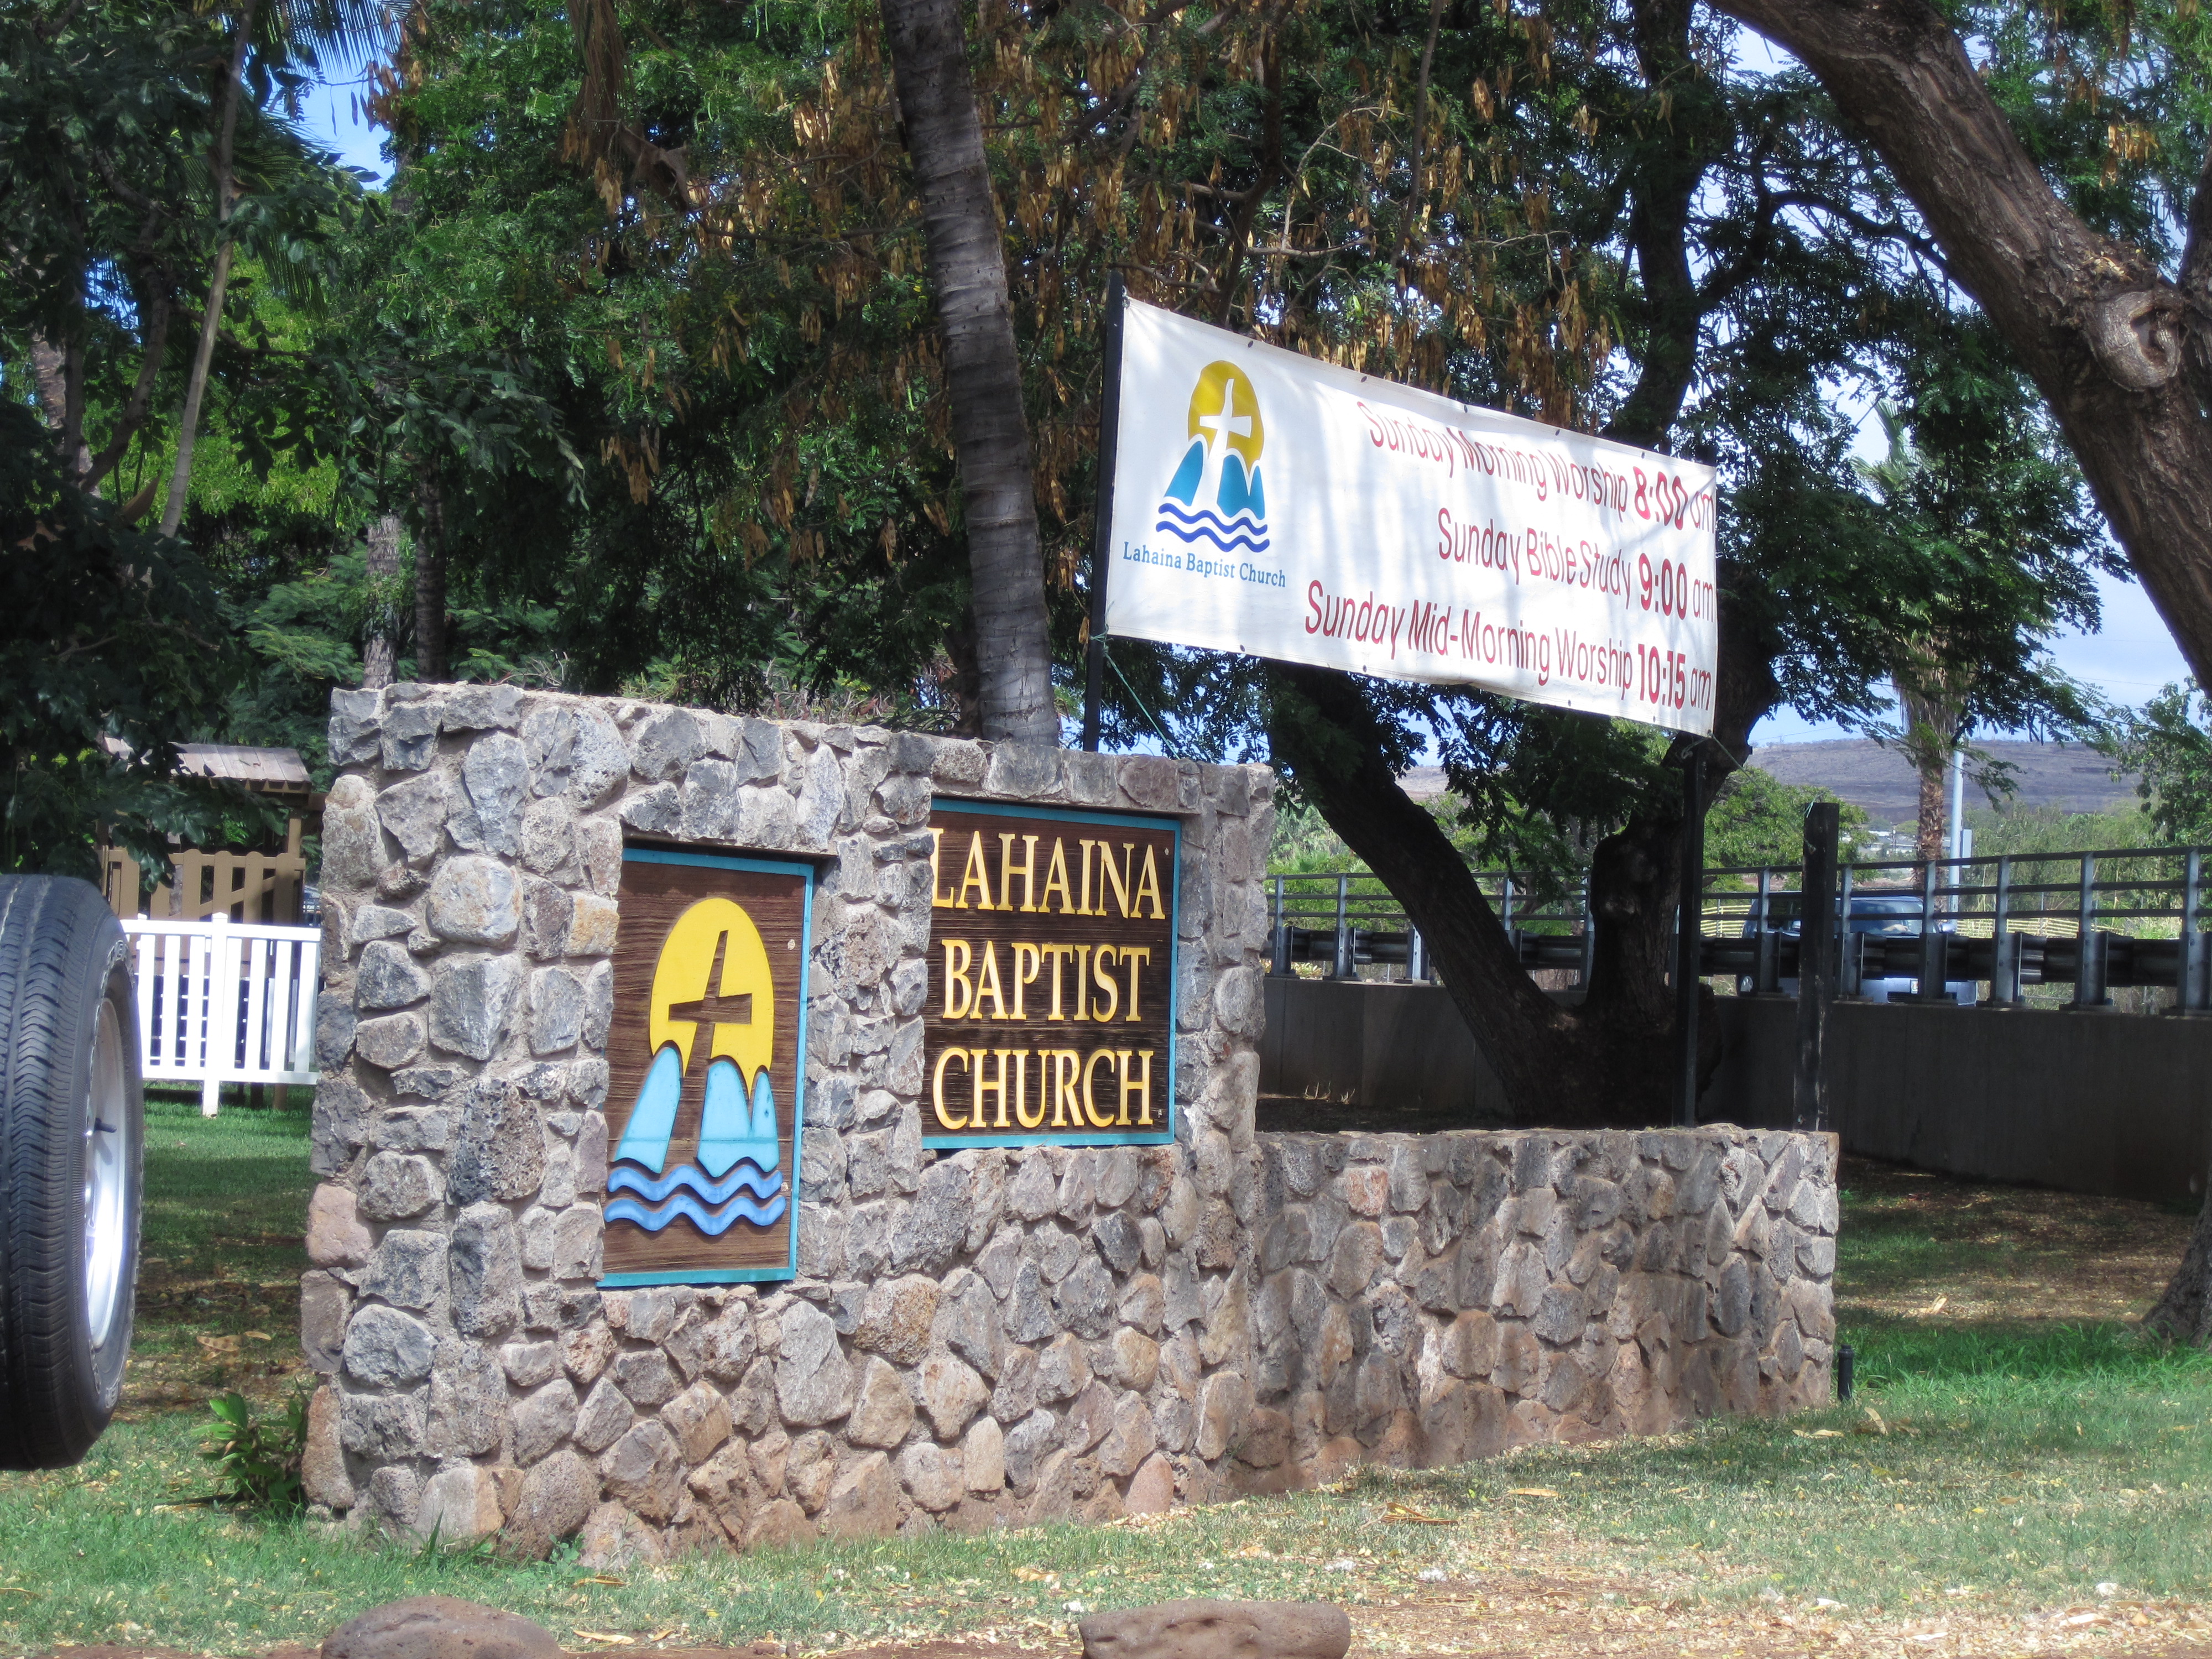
(2017, 830)
(2169, 742)
(260, 1460)
(110, 647)
(688, 434)
(1303, 843)
(1980, 491)
(1756, 819)
(685, 495)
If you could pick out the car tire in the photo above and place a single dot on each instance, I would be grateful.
(72, 1159)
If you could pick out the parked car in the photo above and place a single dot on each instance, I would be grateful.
(1894, 915)
(72, 1161)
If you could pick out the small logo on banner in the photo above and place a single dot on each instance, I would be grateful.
(1216, 495)
(711, 1033)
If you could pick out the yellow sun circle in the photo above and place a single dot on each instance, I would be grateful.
(1224, 408)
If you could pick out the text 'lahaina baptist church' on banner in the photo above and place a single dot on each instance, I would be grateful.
(1304, 512)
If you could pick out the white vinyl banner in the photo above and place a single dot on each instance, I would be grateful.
(1310, 514)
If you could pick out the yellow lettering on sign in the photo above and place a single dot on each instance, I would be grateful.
(1056, 879)
(1066, 1105)
(977, 877)
(1104, 982)
(1088, 976)
(1118, 879)
(1058, 953)
(987, 984)
(1008, 870)
(1148, 884)
(1137, 956)
(1035, 958)
(1023, 1114)
(984, 1086)
(1099, 1120)
(957, 958)
(937, 1087)
(1142, 1087)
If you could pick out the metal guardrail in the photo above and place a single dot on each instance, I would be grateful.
(1348, 919)
(2097, 921)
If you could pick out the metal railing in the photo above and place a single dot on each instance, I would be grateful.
(223, 1002)
(2097, 921)
(1347, 920)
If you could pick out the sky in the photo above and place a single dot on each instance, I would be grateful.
(2128, 660)
(327, 116)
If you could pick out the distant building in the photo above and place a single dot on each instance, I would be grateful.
(246, 885)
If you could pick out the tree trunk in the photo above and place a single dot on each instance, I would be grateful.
(2124, 356)
(1670, 164)
(1606, 1063)
(188, 423)
(1931, 732)
(1928, 839)
(430, 581)
(379, 649)
(2184, 1314)
(964, 684)
(58, 371)
(968, 271)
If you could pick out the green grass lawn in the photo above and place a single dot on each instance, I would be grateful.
(2010, 1458)
(218, 1279)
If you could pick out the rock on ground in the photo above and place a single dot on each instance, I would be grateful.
(1219, 1630)
(439, 1627)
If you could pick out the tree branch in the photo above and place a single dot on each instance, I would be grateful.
(2090, 318)
(155, 316)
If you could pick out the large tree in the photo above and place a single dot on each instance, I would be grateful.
(967, 254)
(1759, 254)
(2118, 339)
(1584, 214)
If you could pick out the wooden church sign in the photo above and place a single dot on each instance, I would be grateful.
(706, 1069)
(1050, 1015)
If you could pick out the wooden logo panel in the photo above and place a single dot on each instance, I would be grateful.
(1051, 1013)
(706, 1069)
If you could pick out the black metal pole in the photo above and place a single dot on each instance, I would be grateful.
(1686, 938)
(1102, 550)
(1816, 962)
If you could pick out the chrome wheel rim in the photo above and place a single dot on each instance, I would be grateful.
(105, 1194)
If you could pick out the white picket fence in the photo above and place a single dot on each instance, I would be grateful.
(222, 1001)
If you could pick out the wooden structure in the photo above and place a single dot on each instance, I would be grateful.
(245, 886)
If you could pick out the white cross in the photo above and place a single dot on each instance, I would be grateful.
(1221, 424)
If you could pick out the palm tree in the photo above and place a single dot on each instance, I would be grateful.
(1932, 689)
(968, 271)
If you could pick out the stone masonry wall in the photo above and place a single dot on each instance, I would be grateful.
(986, 1336)
(1426, 1299)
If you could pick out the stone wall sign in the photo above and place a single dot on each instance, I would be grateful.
(1050, 1016)
(706, 1074)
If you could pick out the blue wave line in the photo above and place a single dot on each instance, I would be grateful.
(747, 1175)
(712, 1223)
(1229, 546)
(1244, 520)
